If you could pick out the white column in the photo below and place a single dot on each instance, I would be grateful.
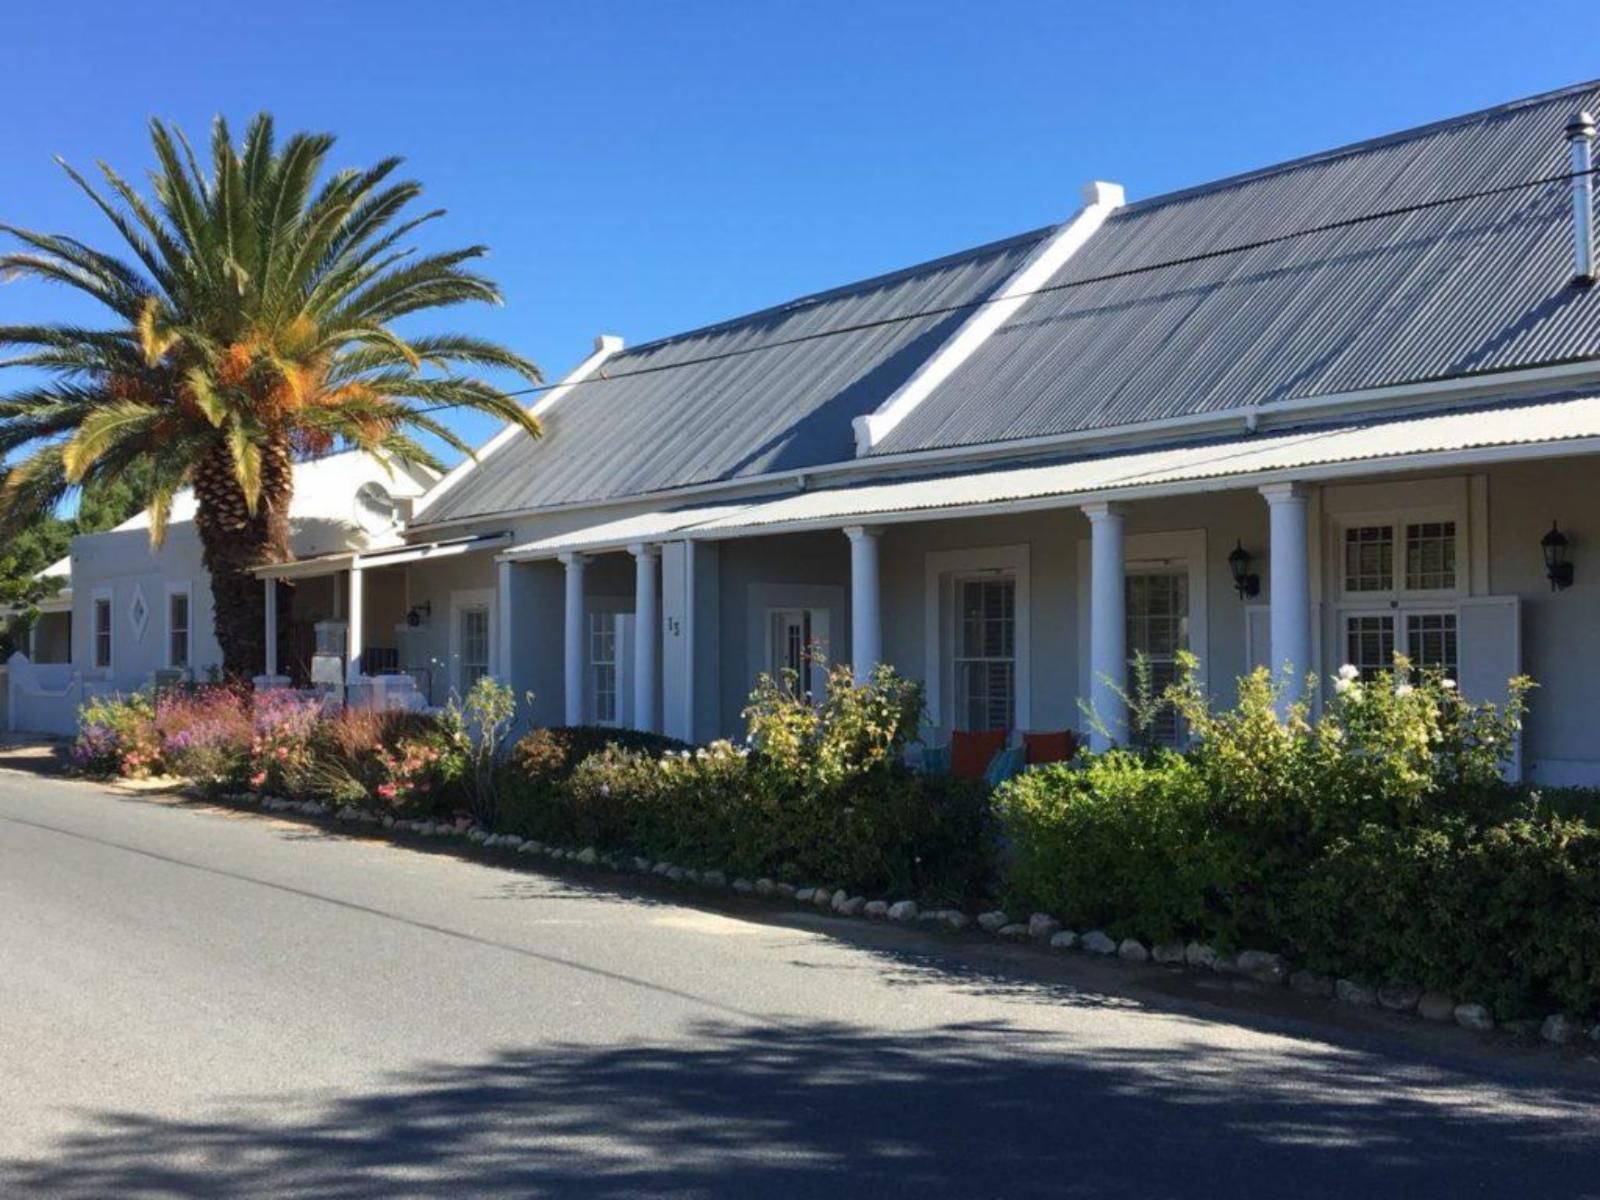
(575, 620)
(646, 637)
(866, 603)
(1108, 625)
(355, 634)
(502, 622)
(1289, 583)
(270, 666)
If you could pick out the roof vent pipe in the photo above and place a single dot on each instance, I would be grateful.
(1580, 143)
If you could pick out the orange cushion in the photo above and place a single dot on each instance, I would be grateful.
(1050, 747)
(972, 751)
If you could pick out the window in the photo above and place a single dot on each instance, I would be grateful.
(603, 667)
(1158, 629)
(1431, 556)
(102, 632)
(178, 628)
(790, 647)
(986, 653)
(1431, 642)
(1369, 643)
(1369, 558)
(474, 646)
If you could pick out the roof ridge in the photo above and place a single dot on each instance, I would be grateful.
(1352, 148)
(844, 289)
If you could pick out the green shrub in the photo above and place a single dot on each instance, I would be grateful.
(1507, 915)
(1123, 843)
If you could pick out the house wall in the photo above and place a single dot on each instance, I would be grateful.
(759, 575)
(1560, 630)
(120, 563)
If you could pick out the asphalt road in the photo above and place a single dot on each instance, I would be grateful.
(201, 1003)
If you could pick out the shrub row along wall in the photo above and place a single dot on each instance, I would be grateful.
(1377, 842)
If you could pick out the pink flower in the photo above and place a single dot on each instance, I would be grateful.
(258, 779)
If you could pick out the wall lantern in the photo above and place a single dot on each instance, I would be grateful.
(1556, 567)
(1245, 583)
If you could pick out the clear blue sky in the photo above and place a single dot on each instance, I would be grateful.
(643, 168)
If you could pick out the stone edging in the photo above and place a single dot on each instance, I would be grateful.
(1040, 929)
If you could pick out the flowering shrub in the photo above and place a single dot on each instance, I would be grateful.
(117, 737)
(280, 758)
(205, 734)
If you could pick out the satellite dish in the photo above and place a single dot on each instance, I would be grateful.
(375, 510)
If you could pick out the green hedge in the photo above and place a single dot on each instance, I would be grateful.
(1377, 841)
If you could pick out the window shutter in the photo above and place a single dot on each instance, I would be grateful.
(625, 670)
(1489, 648)
(1258, 635)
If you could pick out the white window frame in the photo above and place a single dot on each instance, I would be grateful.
(1164, 552)
(460, 603)
(592, 666)
(941, 570)
(96, 598)
(185, 589)
(1398, 520)
(1171, 568)
(958, 584)
(827, 605)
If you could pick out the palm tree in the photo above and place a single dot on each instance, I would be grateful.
(251, 326)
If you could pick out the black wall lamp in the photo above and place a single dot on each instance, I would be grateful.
(1556, 567)
(1244, 582)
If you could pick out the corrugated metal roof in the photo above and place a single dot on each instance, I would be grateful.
(1247, 460)
(653, 526)
(745, 413)
(1446, 291)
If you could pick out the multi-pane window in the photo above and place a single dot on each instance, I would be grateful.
(1369, 643)
(474, 646)
(1158, 629)
(1431, 642)
(1369, 558)
(1431, 556)
(178, 629)
(603, 667)
(986, 653)
(791, 650)
(102, 632)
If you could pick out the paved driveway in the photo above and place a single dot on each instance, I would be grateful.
(200, 1003)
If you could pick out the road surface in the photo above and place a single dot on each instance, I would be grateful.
(195, 1002)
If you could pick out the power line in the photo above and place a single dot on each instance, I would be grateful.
(1110, 276)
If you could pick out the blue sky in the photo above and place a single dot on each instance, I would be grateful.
(643, 168)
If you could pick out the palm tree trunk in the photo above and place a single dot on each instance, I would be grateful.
(234, 542)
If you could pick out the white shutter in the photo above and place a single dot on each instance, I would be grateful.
(1258, 636)
(624, 652)
(1489, 652)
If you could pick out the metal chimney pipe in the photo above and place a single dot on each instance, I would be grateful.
(1580, 145)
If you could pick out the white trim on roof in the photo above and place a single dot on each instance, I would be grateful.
(606, 346)
(1553, 429)
(1100, 200)
(640, 528)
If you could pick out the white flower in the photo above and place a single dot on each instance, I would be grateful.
(1448, 684)
(1404, 690)
(1349, 672)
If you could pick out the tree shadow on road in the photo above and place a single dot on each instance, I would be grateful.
(732, 1109)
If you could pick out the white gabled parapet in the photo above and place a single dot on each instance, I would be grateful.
(1100, 200)
(605, 346)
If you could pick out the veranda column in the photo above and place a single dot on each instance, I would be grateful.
(646, 637)
(1289, 592)
(502, 622)
(355, 633)
(866, 610)
(270, 666)
(1108, 625)
(575, 620)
